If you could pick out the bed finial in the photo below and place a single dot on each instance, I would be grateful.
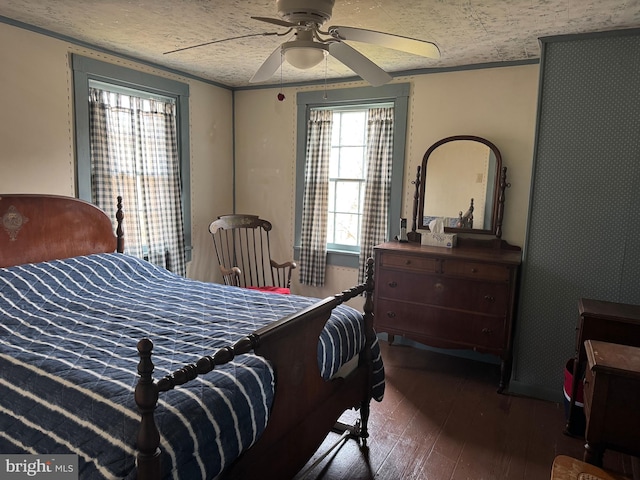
(146, 395)
(365, 407)
(119, 229)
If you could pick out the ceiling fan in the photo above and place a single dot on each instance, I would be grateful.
(310, 45)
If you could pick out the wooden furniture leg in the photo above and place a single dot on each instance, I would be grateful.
(593, 453)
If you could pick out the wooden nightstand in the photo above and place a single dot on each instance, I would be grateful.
(611, 399)
(607, 322)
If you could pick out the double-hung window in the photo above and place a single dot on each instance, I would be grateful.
(350, 162)
(132, 143)
(347, 169)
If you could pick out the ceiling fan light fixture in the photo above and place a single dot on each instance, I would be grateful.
(304, 55)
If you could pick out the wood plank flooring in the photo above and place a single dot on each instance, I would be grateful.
(441, 418)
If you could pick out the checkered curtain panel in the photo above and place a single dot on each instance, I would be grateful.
(313, 248)
(134, 153)
(378, 183)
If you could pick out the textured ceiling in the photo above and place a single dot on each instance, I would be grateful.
(467, 32)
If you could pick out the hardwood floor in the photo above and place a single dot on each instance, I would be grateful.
(441, 418)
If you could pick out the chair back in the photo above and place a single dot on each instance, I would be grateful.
(243, 251)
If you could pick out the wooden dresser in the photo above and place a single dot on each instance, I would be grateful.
(457, 298)
(611, 399)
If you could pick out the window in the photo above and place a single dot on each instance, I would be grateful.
(347, 170)
(124, 91)
(347, 167)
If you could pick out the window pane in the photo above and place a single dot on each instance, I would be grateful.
(351, 162)
(335, 130)
(352, 130)
(346, 229)
(348, 197)
(330, 228)
(332, 196)
(334, 162)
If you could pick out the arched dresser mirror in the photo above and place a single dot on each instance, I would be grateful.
(462, 180)
(459, 296)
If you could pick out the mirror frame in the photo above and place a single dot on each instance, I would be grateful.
(496, 209)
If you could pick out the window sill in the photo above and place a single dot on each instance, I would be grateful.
(340, 258)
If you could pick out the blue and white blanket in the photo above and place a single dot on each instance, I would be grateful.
(68, 335)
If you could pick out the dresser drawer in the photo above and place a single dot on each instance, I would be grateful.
(482, 297)
(484, 271)
(408, 262)
(467, 330)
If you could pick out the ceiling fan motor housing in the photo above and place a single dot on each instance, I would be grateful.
(305, 11)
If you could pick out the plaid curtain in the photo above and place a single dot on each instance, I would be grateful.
(313, 248)
(378, 183)
(134, 153)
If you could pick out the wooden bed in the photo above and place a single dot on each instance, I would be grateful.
(40, 228)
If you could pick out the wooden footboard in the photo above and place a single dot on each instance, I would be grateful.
(305, 406)
(37, 228)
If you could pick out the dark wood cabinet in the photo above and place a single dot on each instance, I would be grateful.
(603, 321)
(611, 399)
(456, 298)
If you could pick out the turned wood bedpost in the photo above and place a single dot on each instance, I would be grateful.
(146, 396)
(370, 337)
(147, 393)
(119, 229)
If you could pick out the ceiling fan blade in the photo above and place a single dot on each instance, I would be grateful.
(264, 34)
(360, 64)
(276, 21)
(396, 42)
(269, 67)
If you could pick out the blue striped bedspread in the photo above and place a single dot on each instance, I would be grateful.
(68, 335)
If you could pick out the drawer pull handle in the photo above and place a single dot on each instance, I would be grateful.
(391, 314)
(489, 298)
(407, 262)
(393, 284)
(487, 331)
(474, 270)
(438, 286)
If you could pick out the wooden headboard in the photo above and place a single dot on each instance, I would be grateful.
(37, 228)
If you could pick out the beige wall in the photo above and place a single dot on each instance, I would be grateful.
(37, 147)
(37, 139)
(498, 104)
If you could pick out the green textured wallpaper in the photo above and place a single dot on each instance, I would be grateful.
(583, 231)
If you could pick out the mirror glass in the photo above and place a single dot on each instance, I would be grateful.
(459, 182)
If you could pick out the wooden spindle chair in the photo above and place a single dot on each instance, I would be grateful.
(243, 251)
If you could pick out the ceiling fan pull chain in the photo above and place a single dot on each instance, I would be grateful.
(326, 62)
(281, 95)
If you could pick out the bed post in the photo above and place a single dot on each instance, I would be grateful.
(119, 230)
(370, 337)
(146, 395)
